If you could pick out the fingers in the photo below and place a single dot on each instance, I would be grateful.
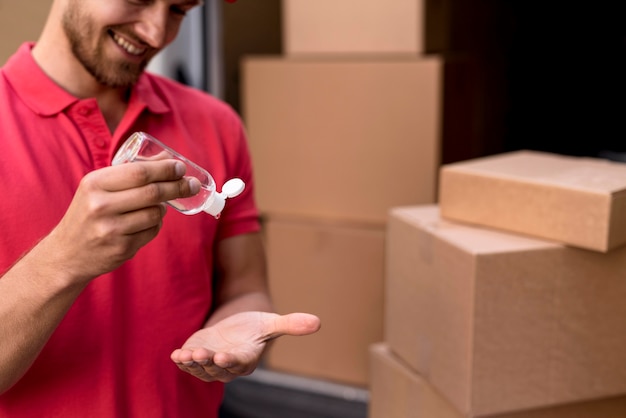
(208, 373)
(204, 357)
(153, 194)
(207, 367)
(139, 221)
(128, 176)
(294, 324)
(139, 185)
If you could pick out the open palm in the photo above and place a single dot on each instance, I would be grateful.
(233, 346)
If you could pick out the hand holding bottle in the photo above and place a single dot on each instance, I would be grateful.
(114, 212)
(143, 147)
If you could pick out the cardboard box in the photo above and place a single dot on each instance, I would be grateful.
(397, 391)
(343, 140)
(573, 200)
(498, 322)
(20, 21)
(353, 26)
(333, 270)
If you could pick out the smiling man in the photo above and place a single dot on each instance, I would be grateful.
(108, 306)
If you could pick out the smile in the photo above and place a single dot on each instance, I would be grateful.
(127, 46)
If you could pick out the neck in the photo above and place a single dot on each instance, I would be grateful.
(113, 107)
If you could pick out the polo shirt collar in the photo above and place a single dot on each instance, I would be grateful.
(46, 98)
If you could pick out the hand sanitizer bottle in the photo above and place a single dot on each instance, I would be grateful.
(141, 146)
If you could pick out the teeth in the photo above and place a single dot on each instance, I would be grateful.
(128, 47)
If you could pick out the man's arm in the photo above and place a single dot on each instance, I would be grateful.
(241, 277)
(34, 296)
(115, 211)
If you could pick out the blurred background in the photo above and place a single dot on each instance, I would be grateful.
(351, 108)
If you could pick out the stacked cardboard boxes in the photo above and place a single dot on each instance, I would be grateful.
(506, 298)
(342, 127)
(327, 27)
(576, 201)
(400, 392)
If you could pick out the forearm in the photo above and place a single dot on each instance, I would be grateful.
(241, 277)
(34, 298)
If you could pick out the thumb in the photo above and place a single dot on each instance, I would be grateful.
(294, 324)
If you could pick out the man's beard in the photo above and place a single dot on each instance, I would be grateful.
(79, 31)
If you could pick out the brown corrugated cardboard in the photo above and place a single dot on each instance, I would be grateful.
(342, 139)
(353, 26)
(397, 391)
(333, 270)
(20, 21)
(573, 200)
(499, 322)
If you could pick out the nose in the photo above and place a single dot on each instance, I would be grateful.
(154, 27)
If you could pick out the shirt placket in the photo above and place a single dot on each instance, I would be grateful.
(93, 127)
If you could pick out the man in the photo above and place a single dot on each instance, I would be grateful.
(98, 290)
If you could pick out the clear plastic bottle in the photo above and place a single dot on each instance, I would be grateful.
(141, 146)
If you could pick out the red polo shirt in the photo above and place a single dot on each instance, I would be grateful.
(110, 355)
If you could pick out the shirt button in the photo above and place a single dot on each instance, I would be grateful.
(100, 143)
(84, 111)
